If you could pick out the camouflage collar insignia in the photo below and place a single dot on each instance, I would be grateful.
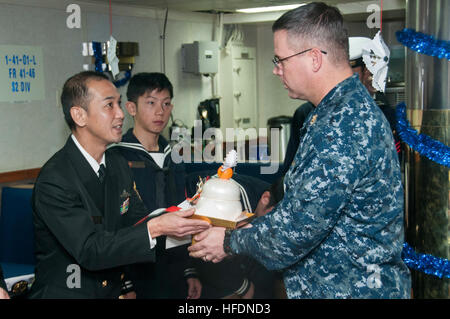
(313, 120)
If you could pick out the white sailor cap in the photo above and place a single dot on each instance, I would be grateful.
(356, 46)
(374, 54)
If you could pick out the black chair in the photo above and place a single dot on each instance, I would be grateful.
(17, 239)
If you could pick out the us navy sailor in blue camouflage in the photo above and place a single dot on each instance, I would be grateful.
(338, 232)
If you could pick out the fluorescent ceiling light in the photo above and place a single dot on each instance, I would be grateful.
(268, 9)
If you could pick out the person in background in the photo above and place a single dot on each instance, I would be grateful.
(300, 115)
(268, 284)
(85, 205)
(270, 197)
(160, 183)
(357, 46)
(3, 289)
(338, 231)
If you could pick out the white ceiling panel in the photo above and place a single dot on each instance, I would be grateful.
(210, 5)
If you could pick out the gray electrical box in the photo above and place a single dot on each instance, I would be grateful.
(200, 57)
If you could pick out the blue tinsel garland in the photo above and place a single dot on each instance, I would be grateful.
(437, 152)
(423, 144)
(428, 264)
(97, 48)
(426, 146)
(424, 43)
(123, 80)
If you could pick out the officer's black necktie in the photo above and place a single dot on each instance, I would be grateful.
(101, 173)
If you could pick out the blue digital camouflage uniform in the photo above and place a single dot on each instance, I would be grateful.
(338, 232)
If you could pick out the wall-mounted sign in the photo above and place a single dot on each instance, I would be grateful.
(21, 73)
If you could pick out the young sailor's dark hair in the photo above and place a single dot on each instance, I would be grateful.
(143, 82)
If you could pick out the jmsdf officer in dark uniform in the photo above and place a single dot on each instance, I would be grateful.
(84, 214)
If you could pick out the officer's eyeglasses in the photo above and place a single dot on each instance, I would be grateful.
(276, 60)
